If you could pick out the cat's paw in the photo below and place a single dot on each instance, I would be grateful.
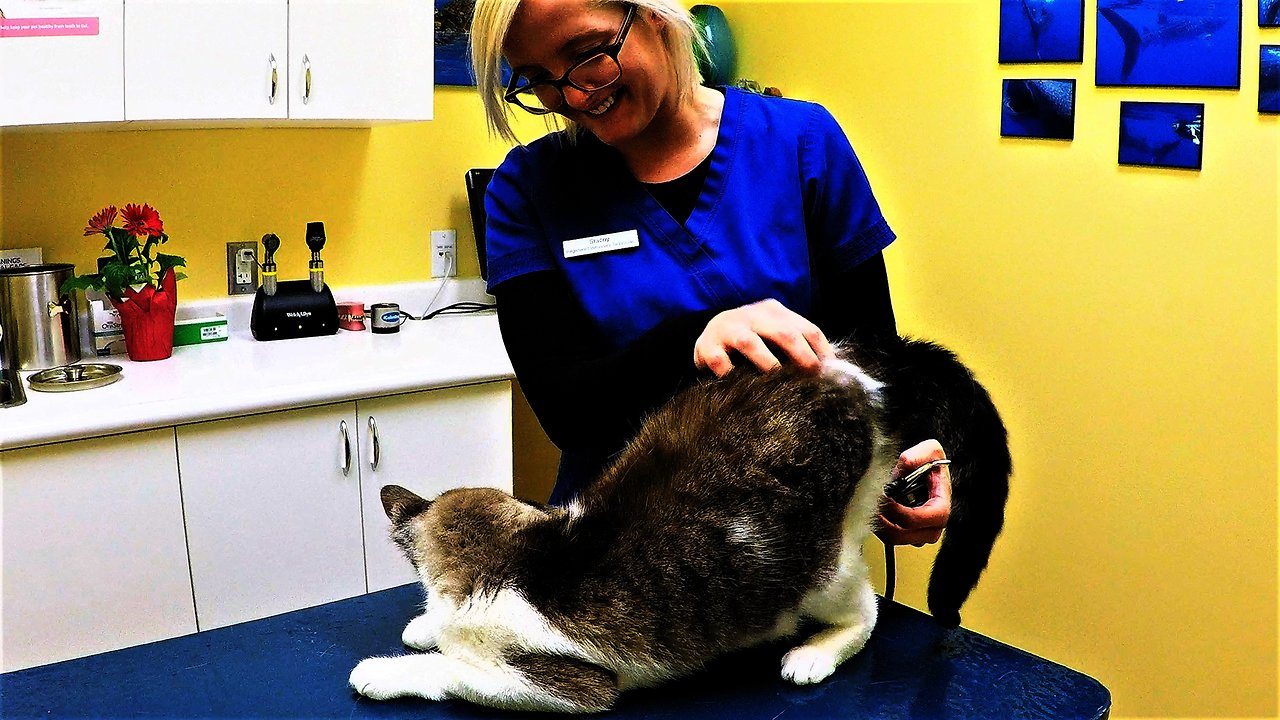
(806, 665)
(379, 678)
(420, 634)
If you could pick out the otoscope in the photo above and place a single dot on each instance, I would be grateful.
(315, 241)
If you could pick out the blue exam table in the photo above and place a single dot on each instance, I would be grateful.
(296, 666)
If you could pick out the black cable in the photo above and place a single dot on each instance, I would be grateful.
(460, 308)
(890, 574)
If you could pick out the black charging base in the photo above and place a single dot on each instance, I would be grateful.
(295, 311)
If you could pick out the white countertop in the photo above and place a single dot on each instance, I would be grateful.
(242, 376)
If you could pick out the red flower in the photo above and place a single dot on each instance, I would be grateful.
(100, 222)
(142, 220)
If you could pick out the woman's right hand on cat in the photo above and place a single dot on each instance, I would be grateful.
(751, 330)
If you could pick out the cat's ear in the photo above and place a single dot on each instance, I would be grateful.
(400, 503)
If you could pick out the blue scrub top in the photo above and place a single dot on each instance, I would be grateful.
(784, 193)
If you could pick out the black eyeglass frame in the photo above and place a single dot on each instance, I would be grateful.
(513, 93)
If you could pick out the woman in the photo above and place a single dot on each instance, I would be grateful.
(670, 229)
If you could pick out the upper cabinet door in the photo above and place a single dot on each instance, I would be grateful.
(61, 62)
(361, 59)
(206, 59)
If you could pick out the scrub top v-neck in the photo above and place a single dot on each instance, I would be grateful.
(783, 191)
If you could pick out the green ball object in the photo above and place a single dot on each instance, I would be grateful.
(720, 67)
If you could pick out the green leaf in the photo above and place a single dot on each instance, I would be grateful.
(81, 282)
(115, 277)
(170, 261)
(139, 273)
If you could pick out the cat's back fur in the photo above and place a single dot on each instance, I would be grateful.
(721, 514)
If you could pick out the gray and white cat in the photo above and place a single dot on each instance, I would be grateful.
(739, 509)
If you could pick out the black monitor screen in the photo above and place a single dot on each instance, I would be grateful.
(477, 181)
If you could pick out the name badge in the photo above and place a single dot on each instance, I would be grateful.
(601, 243)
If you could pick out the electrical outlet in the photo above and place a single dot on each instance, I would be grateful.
(444, 253)
(242, 268)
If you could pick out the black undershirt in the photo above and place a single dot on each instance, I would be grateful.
(679, 196)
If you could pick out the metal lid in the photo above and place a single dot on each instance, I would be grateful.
(42, 269)
(66, 378)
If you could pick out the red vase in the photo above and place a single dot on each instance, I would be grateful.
(147, 318)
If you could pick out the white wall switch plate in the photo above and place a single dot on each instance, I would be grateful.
(444, 253)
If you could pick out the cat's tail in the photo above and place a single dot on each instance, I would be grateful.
(980, 488)
(930, 394)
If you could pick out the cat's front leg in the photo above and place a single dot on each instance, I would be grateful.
(422, 632)
(850, 610)
(383, 678)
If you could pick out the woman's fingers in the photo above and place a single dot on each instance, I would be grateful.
(760, 332)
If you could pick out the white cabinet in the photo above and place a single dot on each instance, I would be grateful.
(61, 61)
(94, 552)
(370, 59)
(283, 510)
(273, 59)
(117, 541)
(273, 521)
(206, 59)
(428, 442)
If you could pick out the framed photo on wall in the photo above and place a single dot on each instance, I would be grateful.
(1268, 13)
(1169, 43)
(1162, 134)
(453, 31)
(1042, 31)
(1038, 109)
(1269, 78)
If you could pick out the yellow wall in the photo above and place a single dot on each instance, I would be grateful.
(380, 191)
(1124, 318)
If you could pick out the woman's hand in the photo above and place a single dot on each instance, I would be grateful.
(747, 329)
(902, 525)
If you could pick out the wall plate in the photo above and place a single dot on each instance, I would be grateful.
(242, 268)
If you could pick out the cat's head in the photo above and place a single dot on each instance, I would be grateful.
(459, 534)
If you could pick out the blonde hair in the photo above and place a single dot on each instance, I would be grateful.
(492, 20)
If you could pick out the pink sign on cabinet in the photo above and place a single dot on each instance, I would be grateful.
(48, 27)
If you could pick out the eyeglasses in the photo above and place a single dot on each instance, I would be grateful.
(597, 71)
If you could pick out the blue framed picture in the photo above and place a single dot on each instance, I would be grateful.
(1162, 134)
(1268, 13)
(453, 31)
(1042, 31)
(1039, 109)
(1269, 79)
(1169, 43)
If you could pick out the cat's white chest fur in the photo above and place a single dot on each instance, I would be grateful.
(486, 625)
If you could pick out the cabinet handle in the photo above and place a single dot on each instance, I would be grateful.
(375, 454)
(344, 459)
(306, 83)
(275, 80)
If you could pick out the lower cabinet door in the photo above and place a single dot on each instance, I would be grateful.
(94, 553)
(428, 442)
(272, 505)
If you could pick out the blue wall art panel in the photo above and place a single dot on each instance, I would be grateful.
(453, 30)
(1169, 43)
(1039, 109)
(1042, 31)
(1162, 134)
(1269, 79)
(1269, 13)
